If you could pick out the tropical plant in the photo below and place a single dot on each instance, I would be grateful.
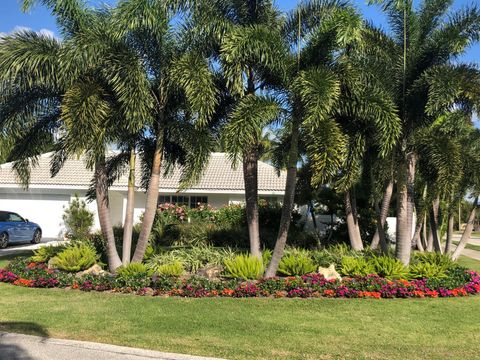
(172, 269)
(426, 271)
(247, 267)
(75, 258)
(132, 270)
(388, 267)
(420, 54)
(292, 265)
(356, 267)
(45, 253)
(243, 38)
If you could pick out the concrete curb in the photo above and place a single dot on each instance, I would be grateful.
(111, 351)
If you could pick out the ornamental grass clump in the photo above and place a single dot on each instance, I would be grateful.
(244, 267)
(356, 267)
(132, 270)
(292, 265)
(75, 258)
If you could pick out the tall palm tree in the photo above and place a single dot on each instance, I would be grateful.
(421, 40)
(243, 39)
(121, 71)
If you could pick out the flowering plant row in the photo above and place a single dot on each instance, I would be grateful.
(460, 282)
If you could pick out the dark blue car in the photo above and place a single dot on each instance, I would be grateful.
(15, 229)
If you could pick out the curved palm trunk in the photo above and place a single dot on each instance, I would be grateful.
(101, 192)
(448, 244)
(151, 202)
(416, 240)
(434, 225)
(379, 236)
(352, 222)
(467, 232)
(288, 202)
(250, 177)
(128, 224)
(405, 203)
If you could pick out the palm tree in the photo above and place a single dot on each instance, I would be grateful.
(243, 39)
(102, 72)
(422, 40)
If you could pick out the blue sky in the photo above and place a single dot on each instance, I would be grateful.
(12, 18)
(39, 19)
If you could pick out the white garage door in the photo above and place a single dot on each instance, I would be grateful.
(45, 210)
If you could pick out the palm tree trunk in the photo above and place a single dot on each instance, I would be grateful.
(128, 224)
(151, 202)
(467, 232)
(416, 240)
(288, 202)
(382, 217)
(448, 244)
(250, 177)
(352, 223)
(380, 232)
(434, 225)
(424, 233)
(405, 203)
(101, 192)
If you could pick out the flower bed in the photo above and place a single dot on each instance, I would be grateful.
(459, 282)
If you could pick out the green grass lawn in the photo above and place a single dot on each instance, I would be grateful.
(253, 328)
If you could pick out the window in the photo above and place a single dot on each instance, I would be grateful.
(195, 201)
(180, 200)
(163, 199)
(14, 217)
(4, 217)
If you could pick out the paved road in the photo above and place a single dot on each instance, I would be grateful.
(27, 347)
(13, 249)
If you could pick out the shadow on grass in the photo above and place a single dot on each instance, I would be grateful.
(10, 350)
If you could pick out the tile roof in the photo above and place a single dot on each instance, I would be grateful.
(218, 176)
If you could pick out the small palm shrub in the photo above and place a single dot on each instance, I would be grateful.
(388, 267)
(292, 265)
(245, 267)
(173, 269)
(266, 256)
(132, 270)
(356, 267)
(45, 253)
(76, 257)
(427, 271)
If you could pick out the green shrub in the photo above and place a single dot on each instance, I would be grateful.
(356, 267)
(173, 269)
(389, 268)
(45, 253)
(245, 267)
(444, 261)
(78, 219)
(427, 270)
(132, 270)
(293, 265)
(75, 258)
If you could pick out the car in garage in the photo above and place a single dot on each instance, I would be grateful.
(16, 229)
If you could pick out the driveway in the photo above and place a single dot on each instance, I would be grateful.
(27, 347)
(18, 249)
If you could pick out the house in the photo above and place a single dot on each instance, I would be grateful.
(46, 198)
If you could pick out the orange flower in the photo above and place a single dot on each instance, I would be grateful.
(329, 292)
(23, 282)
(75, 285)
(419, 293)
(228, 292)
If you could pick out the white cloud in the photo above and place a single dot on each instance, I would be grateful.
(45, 32)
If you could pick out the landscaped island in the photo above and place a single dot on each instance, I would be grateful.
(213, 272)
